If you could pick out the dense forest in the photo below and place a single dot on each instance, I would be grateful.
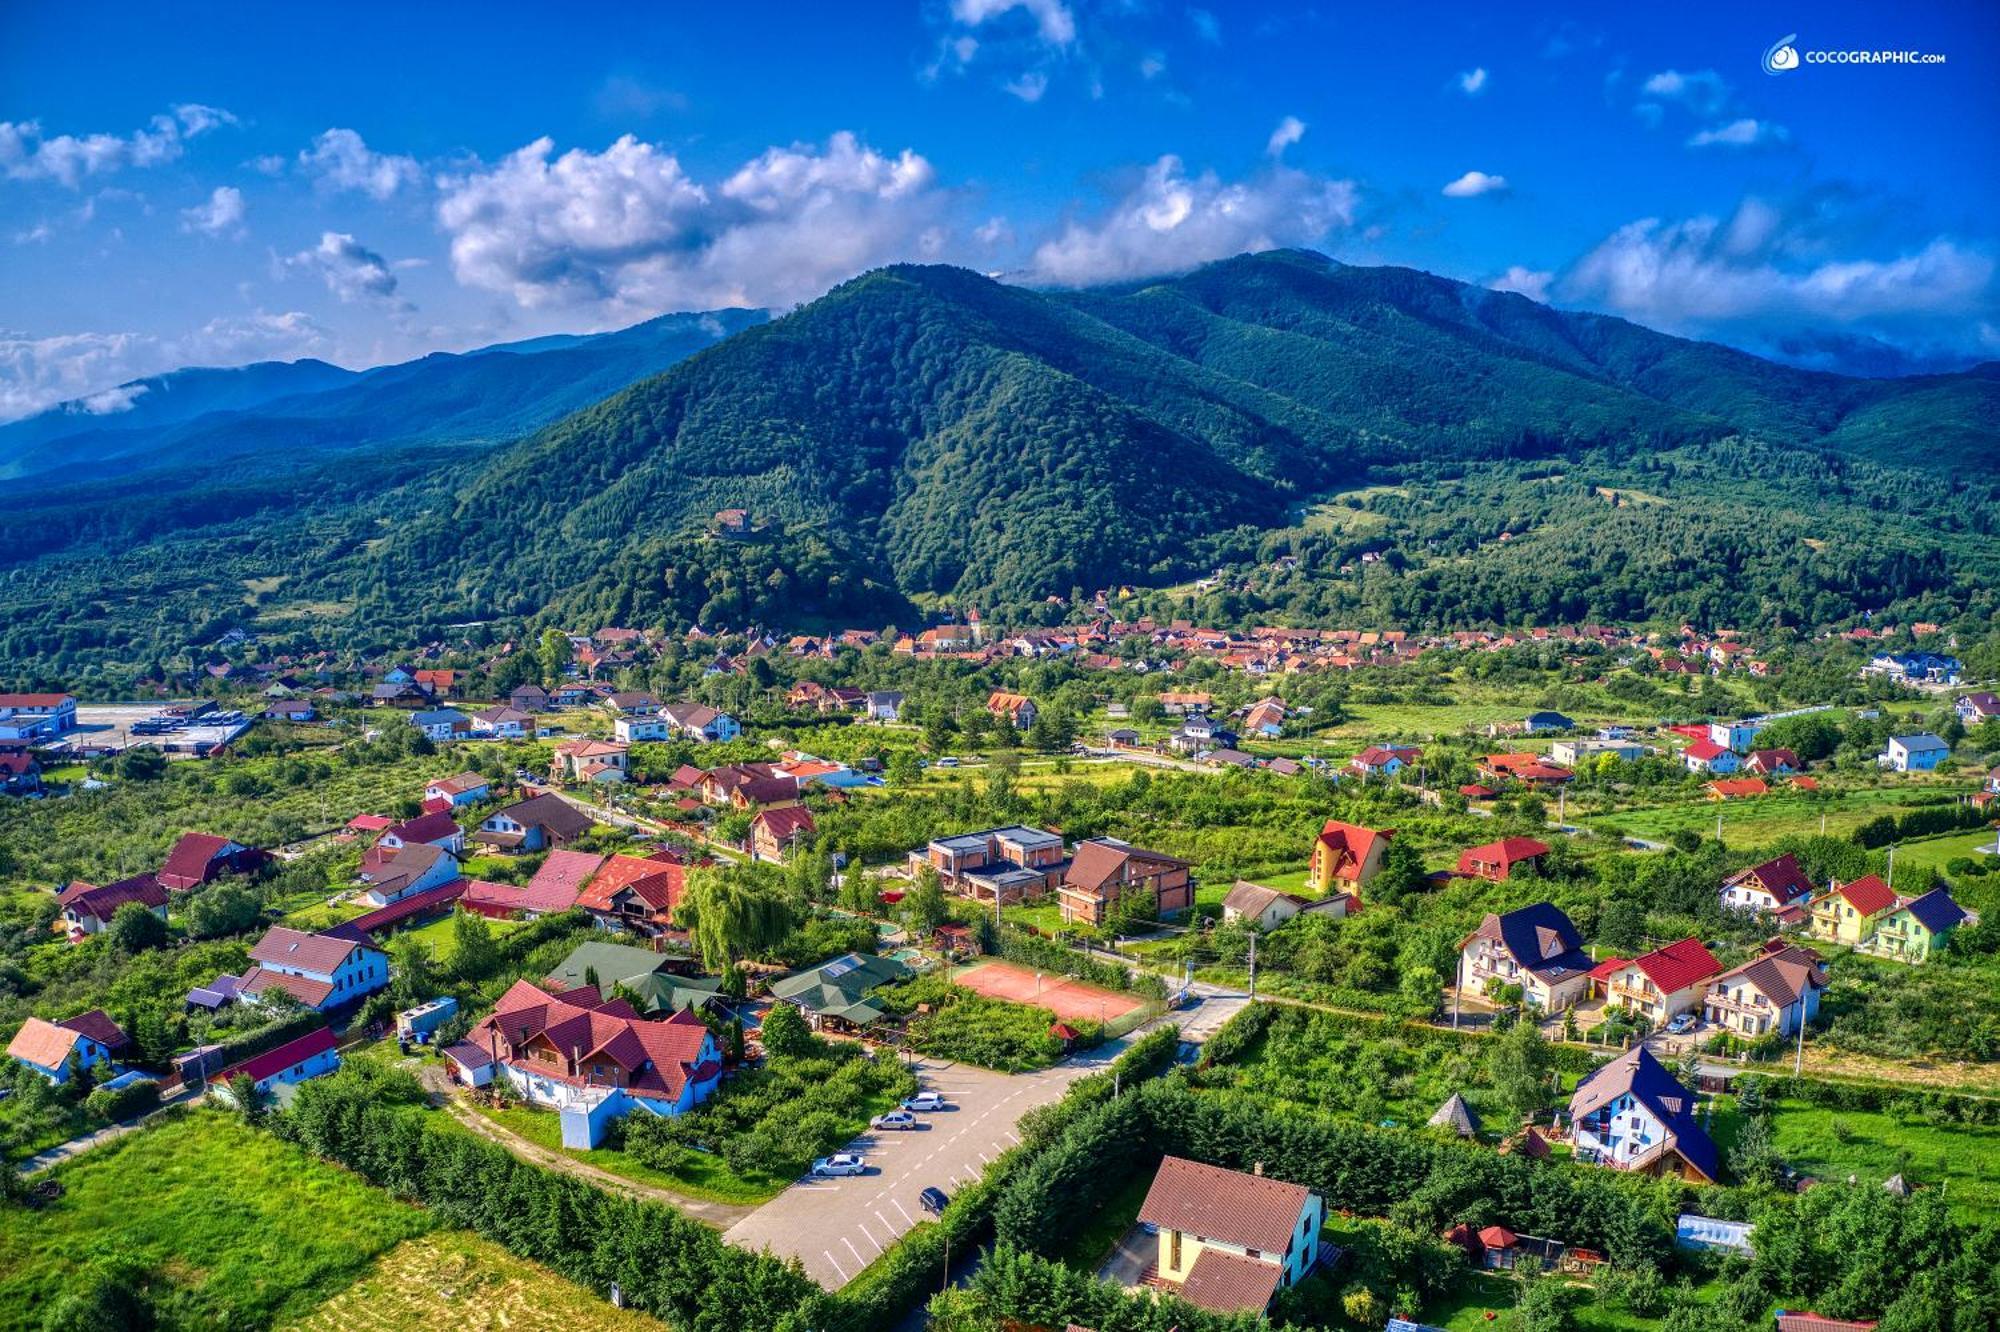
(1342, 444)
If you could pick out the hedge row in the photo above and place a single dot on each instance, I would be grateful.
(1031, 950)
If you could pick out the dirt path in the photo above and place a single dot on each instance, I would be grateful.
(720, 1215)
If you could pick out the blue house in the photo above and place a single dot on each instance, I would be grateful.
(1537, 722)
(49, 1047)
(1914, 753)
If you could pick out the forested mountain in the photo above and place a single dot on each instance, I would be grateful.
(265, 415)
(927, 434)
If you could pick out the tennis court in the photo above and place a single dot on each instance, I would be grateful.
(1062, 996)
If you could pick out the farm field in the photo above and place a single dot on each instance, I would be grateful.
(1761, 820)
(232, 1227)
(457, 1280)
(1963, 1159)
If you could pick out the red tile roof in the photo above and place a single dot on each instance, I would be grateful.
(318, 953)
(1227, 1283)
(315, 1042)
(1678, 965)
(187, 865)
(103, 903)
(1505, 854)
(416, 904)
(657, 1057)
(1868, 895)
(427, 828)
(1705, 750)
(42, 1043)
(97, 1025)
(1349, 844)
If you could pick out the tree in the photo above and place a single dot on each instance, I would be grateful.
(474, 953)
(1754, 1159)
(1401, 874)
(1547, 1306)
(553, 655)
(905, 768)
(731, 915)
(1621, 925)
(785, 1034)
(142, 763)
(924, 906)
(222, 909)
(937, 728)
(1519, 1063)
(134, 929)
(104, 1298)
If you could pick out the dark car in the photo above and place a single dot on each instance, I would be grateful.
(933, 1200)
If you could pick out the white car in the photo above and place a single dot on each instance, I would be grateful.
(841, 1163)
(894, 1119)
(929, 1100)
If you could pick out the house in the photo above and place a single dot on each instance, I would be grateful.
(1774, 886)
(1498, 861)
(592, 762)
(413, 868)
(1345, 856)
(535, 824)
(731, 523)
(20, 771)
(1707, 756)
(1103, 870)
(1914, 753)
(1383, 760)
(1535, 947)
(555, 887)
(1200, 732)
(199, 858)
(1769, 995)
(437, 829)
(296, 710)
(592, 1060)
(1738, 788)
(528, 698)
(1571, 752)
(442, 723)
(703, 725)
(1536, 723)
(1630, 1114)
(1976, 708)
(1915, 668)
(1229, 1241)
(884, 705)
(635, 893)
(1265, 717)
(467, 788)
(1017, 710)
(645, 978)
(1737, 736)
(836, 993)
(309, 1056)
(1773, 762)
(398, 694)
(631, 730)
(1849, 912)
(1661, 984)
(502, 723)
(1264, 908)
(748, 786)
(36, 717)
(1916, 928)
(1523, 767)
(774, 832)
(630, 703)
(322, 971)
(48, 1048)
(87, 908)
(1008, 865)
(1176, 703)
(570, 694)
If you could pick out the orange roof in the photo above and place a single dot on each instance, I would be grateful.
(1350, 845)
(42, 1043)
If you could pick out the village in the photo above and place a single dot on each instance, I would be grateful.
(802, 949)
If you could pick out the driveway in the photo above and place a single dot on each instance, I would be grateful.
(836, 1227)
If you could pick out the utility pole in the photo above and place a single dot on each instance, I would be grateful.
(1457, 983)
(1799, 1059)
(1253, 965)
(1892, 866)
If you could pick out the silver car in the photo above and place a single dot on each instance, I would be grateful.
(840, 1163)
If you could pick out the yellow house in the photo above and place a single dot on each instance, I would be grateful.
(1230, 1241)
(1849, 913)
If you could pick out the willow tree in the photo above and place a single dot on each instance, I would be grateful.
(731, 914)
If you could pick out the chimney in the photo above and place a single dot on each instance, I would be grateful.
(1258, 1170)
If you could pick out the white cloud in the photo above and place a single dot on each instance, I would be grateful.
(994, 231)
(91, 369)
(1746, 132)
(26, 153)
(1054, 22)
(629, 229)
(1475, 183)
(351, 270)
(1763, 274)
(1169, 221)
(1206, 26)
(1472, 82)
(1029, 87)
(1704, 91)
(221, 215)
(1290, 130)
(340, 160)
(1530, 282)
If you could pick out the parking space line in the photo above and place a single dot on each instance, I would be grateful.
(836, 1264)
(856, 1252)
(905, 1211)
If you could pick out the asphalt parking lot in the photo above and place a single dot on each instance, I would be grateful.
(836, 1227)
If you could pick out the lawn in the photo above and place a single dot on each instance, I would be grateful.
(1759, 821)
(1832, 1144)
(439, 938)
(455, 1279)
(237, 1228)
(1929, 857)
(705, 1176)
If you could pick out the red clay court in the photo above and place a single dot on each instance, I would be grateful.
(1062, 996)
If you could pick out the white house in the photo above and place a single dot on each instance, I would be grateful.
(467, 788)
(323, 971)
(701, 724)
(502, 723)
(1536, 947)
(1710, 757)
(1630, 1114)
(885, 705)
(1774, 886)
(36, 716)
(1914, 753)
(441, 723)
(408, 870)
(631, 729)
(1737, 735)
(1771, 994)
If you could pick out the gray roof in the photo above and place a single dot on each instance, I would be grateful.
(838, 988)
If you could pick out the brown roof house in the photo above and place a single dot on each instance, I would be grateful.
(534, 825)
(1768, 995)
(1229, 1241)
(1103, 869)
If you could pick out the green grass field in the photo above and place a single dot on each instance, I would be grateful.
(705, 1177)
(1758, 821)
(1962, 1159)
(239, 1229)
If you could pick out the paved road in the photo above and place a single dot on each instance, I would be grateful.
(75, 1147)
(836, 1227)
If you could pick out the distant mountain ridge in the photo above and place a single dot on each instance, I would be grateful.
(265, 414)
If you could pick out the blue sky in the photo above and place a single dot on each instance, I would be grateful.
(196, 184)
